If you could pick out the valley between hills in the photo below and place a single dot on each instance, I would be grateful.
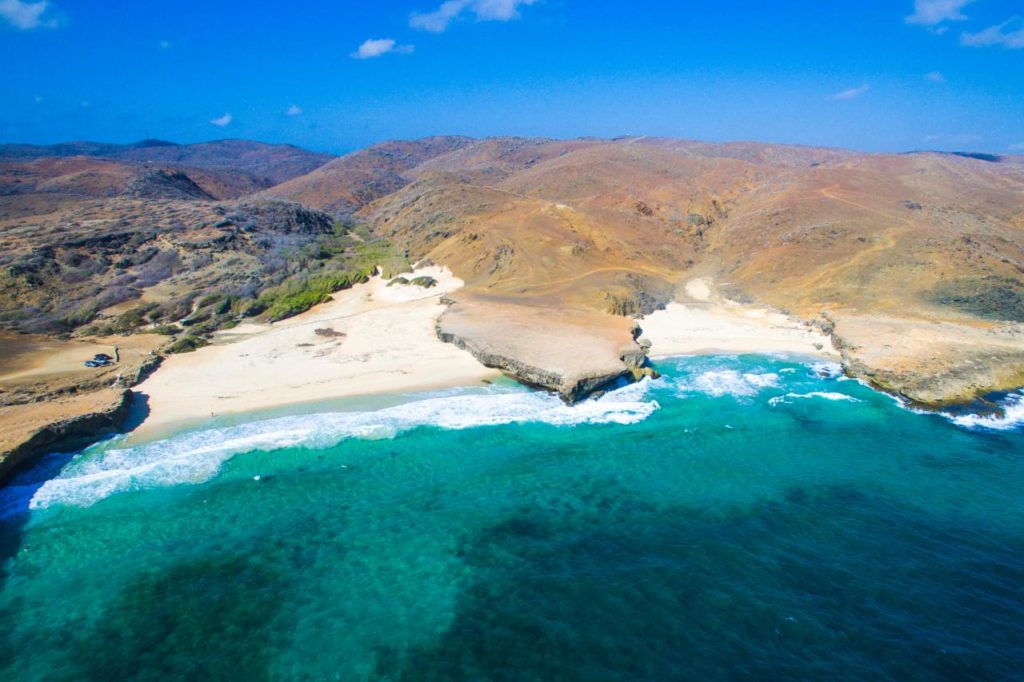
(566, 264)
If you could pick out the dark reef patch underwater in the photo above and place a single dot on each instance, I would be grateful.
(742, 518)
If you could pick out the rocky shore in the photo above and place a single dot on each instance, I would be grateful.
(932, 364)
(570, 352)
(49, 399)
(71, 421)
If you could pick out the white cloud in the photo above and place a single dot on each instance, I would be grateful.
(1009, 34)
(165, 44)
(293, 110)
(852, 93)
(39, 99)
(26, 15)
(934, 12)
(222, 121)
(484, 10)
(935, 77)
(1017, 147)
(375, 47)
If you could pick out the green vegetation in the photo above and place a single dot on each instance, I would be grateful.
(134, 318)
(278, 261)
(83, 315)
(293, 304)
(301, 293)
(187, 344)
(992, 297)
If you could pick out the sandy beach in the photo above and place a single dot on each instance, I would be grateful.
(372, 339)
(708, 323)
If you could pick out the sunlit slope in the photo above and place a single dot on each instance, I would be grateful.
(905, 240)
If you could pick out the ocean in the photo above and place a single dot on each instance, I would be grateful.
(743, 517)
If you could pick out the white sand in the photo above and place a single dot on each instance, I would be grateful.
(710, 323)
(389, 347)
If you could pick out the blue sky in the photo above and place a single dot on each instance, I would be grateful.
(335, 75)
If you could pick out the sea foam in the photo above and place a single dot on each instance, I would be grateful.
(824, 395)
(717, 383)
(827, 370)
(197, 456)
(1012, 416)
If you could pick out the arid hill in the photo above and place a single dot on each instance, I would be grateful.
(913, 263)
(348, 183)
(226, 169)
(274, 163)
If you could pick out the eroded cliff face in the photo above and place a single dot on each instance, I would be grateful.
(68, 421)
(930, 363)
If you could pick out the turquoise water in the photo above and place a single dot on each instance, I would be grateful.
(742, 518)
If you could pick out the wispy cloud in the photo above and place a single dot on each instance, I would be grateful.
(852, 93)
(376, 47)
(165, 44)
(293, 110)
(1009, 34)
(26, 15)
(484, 10)
(222, 121)
(1019, 147)
(935, 77)
(934, 12)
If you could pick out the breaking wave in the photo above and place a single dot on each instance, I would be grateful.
(197, 456)
(1012, 416)
(824, 395)
(827, 370)
(717, 383)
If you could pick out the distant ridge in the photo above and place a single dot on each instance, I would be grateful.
(979, 156)
(271, 164)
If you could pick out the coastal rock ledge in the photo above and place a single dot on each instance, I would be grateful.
(571, 352)
(83, 417)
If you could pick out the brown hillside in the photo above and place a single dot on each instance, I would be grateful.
(911, 243)
(914, 262)
(350, 182)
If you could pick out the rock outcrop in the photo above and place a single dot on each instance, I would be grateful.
(78, 419)
(166, 184)
(572, 353)
(928, 363)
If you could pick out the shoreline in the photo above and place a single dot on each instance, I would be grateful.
(372, 341)
(375, 339)
(368, 340)
(378, 346)
(707, 323)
